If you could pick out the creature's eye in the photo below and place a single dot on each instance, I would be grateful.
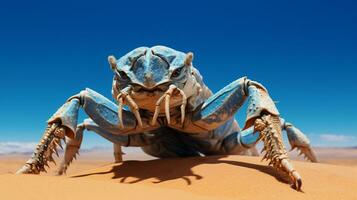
(122, 75)
(176, 72)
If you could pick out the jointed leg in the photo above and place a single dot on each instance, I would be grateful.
(73, 144)
(118, 140)
(262, 118)
(64, 123)
(266, 129)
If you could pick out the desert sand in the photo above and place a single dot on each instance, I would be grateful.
(217, 177)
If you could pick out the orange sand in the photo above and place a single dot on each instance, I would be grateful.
(233, 177)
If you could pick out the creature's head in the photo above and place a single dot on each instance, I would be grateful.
(151, 69)
(149, 72)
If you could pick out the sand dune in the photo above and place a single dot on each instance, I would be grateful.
(232, 177)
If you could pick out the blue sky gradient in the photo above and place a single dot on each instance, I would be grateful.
(304, 52)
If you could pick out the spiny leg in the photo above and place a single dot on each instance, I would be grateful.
(265, 129)
(270, 134)
(64, 123)
(222, 106)
(263, 115)
(43, 153)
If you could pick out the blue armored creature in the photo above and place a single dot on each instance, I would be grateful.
(164, 107)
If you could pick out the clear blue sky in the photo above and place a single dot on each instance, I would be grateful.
(304, 52)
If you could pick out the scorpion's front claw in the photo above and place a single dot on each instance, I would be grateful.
(44, 150)
(270, 129)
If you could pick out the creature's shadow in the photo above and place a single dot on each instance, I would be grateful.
(170, 169)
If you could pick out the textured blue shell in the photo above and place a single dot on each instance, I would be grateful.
(150, 67)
